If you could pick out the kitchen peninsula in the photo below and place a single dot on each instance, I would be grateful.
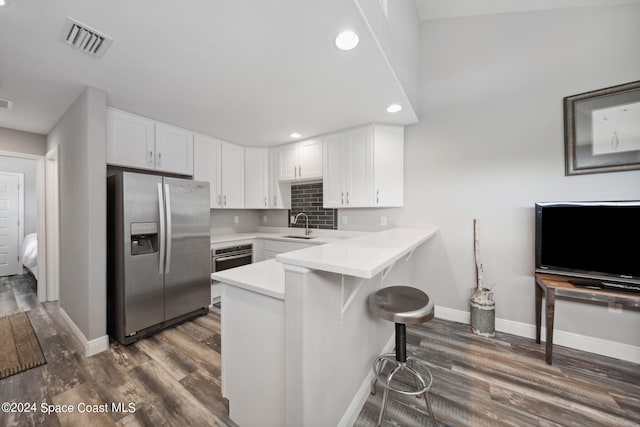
(297, 337)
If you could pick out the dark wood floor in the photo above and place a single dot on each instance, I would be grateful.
(504, 381)
(173, 378)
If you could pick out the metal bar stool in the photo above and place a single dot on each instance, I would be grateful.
(404, 306)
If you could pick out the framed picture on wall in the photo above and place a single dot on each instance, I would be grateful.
(602, 130)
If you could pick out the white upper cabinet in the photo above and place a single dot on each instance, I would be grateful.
(232, 163)
(300, 160)
(130, 140)
(222, 165)
(279, 192)
(388, 166)
(310, 159)
(174, 149)
(288, 162)
(364, 167)
(207, 153)
(256, 184)
(138, 142)
(359, 173)
(333, 183)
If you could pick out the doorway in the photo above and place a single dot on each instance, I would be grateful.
(52, 220)
(34, 222)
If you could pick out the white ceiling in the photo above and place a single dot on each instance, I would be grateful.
(246, 71)
(442, 9)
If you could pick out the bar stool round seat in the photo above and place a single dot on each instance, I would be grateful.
(403, 305)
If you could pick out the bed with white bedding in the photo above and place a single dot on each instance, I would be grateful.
(30, 253)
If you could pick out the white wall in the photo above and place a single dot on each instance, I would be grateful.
(80, 134)
(18, 141)
(397, 35)
(222, 221)
(28, 168)
(490, 144)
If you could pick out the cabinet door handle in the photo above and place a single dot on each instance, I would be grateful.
(219, 204)
(150, 158)
(225, 200)
(347, 197)
(265, 202)
(275, 201)
(342, 198)
(377, 196)
(159, 158)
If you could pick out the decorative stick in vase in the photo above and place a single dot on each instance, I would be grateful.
(483, 308)
(476, 249)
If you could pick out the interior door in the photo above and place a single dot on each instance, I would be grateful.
(187, 280)
(9, 211)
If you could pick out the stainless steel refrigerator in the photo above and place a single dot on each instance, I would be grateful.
(158, 253)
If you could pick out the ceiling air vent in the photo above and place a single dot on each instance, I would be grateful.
(5, 103)
(84, 38)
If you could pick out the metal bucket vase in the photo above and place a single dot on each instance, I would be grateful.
(483, 313)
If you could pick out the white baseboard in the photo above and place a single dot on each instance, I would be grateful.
(361, 396)
(568, 339)
(91, 347)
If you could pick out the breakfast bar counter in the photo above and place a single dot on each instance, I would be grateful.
(308, 308)
(362, 256)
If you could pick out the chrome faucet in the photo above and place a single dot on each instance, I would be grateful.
(306, 227)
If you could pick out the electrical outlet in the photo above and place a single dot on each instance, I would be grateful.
(344, 220)
(236, 219)
(614, 307)
(383, 221)
(264, 218)
(293, 218)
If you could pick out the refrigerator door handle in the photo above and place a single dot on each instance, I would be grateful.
(167, 202)
(162, 228)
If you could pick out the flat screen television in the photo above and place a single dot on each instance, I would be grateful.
(598, 243)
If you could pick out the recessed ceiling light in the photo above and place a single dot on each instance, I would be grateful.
(394, 108)
(3, 2)
(347, 40)
(295, 135)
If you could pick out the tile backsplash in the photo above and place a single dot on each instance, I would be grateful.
(307, 198)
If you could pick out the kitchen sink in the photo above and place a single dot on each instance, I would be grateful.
(300, 237)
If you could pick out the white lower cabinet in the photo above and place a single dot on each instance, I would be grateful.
(275, 247)
(253, 357)
(364, 167)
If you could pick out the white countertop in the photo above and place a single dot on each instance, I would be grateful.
(266, 277)
(362, 256)
(234, 237)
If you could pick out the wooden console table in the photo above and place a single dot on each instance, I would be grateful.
(558, 286)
